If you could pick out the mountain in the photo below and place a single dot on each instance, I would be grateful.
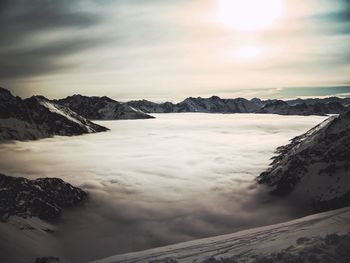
(44, 197)
(213, 104)
(37, 117)
(284, 108)
(152, 107)
(28, 212)
(315, 166)
(102, 108)
(216, 104)
(321, 238)
(311, 101)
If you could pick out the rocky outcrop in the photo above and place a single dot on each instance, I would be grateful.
(315, 166)
(102, 108)
(44, 198)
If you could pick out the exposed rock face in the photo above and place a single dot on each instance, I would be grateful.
(37, 117)
(315, 166)
(44, 197)
(102, 108)
(283, 108)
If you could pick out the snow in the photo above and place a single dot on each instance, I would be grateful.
(53, 108)
(290, 237)
(25, 239)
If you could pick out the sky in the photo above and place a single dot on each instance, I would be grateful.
(171, 49)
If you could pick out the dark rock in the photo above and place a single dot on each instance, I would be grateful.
(44, 197)
(48, 260)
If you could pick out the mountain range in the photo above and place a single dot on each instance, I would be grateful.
(215, 104)
(38, 117)
(313, 169)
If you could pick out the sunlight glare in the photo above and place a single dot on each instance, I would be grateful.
(247, 53)
(248, 15)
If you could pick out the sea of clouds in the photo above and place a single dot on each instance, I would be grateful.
(155, 182)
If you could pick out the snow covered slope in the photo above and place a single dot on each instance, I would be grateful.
(322, 238)
(102, 108)
(37, 117)
(315, 167)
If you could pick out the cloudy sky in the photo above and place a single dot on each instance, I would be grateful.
(170, 49)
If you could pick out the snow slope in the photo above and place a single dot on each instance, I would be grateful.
(23, 240)
(315, 166)
(323, 237)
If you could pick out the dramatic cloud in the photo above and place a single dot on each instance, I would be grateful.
(38, 35)
(156, 182)
(158, 49)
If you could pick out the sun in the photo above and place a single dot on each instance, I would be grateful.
(248, 15)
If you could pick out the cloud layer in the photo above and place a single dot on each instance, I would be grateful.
(156, 182)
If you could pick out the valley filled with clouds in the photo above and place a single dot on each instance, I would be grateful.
(155, 182)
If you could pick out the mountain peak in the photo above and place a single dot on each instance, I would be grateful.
(5, 93)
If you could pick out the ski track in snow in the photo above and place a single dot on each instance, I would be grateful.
(248, 244)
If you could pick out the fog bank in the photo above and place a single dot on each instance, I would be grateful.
(161, 181)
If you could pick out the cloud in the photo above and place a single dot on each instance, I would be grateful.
(134, 49)
(38, 34)
(152, 183)
(342, 14)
